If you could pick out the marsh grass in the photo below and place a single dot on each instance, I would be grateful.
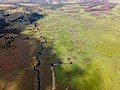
(92, 43)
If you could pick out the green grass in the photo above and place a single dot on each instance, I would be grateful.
(94, 42)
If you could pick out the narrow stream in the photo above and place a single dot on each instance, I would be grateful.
(36, 69)
(52, 67)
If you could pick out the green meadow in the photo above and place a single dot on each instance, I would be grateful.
(91, 42)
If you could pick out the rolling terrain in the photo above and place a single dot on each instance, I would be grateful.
(88, 46)
(67, 48)
(17, 50)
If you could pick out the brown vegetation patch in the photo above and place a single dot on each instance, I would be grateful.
(27, 81)
(14, 58)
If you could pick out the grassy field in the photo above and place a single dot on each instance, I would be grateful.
(91, 42)
(87, 44)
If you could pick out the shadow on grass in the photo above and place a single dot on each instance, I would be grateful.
(17, 51)
(76, 78)
(18, 54)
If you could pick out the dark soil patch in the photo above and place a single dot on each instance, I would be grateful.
(15, 58)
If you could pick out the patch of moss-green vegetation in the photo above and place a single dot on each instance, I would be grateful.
(93, 45)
